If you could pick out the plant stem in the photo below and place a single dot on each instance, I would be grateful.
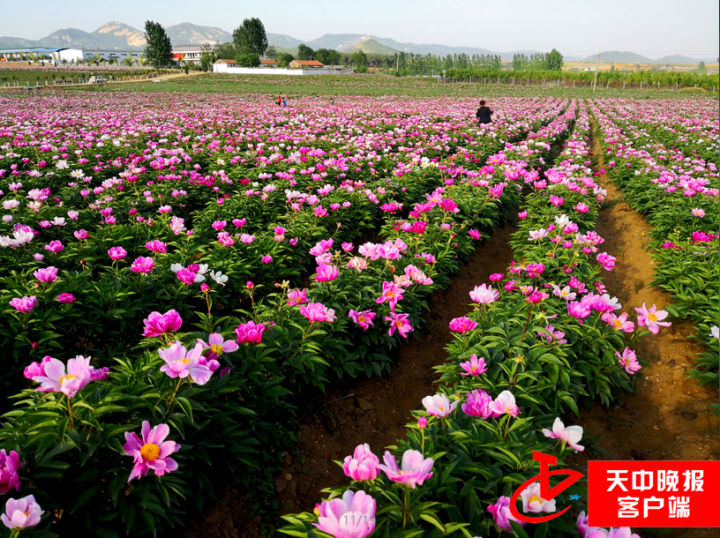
(172, 399)
(72, 420)
(507, 427)
(527, 322)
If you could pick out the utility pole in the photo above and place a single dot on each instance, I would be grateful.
(597, 66)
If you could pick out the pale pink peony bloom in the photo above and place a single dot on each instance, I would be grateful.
(698, 212)
(362, 465)
(414, 470)
(628, 360)
(504, 404)
(484, 294)
(391, 293)
(570, 435)
(216, 346)
(151, 451)
(352, 516)
(502, 515)
(56, 379)
(652, 318)
(474, 367)
(296, 297)
(619, 323)
(47, 275)
(181, 363)
(439, 405)
(21, 513)
(532, 502)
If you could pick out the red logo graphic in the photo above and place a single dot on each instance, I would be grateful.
(546, 492)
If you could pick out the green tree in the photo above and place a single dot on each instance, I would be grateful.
(554, 61)
(327, 56)
(701, 66)
(248, 60)
(361, 62)
(272, 53)
(226, 51)
(207, 56)
(250, 37)
(159, 48)
(284, 58)
(305, 52)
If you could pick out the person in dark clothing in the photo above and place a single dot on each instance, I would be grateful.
(484, 114)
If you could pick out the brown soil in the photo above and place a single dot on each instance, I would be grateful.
(668, 417)
(372, 411)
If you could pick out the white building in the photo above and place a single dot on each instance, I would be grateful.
(76, 55)
(188, 53)
(231, 68)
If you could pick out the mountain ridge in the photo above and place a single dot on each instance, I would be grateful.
(116, 35)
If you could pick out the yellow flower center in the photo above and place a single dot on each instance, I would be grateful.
(473, 368)
(533, 498)
(67, 377)
(652, 317)
(150, 452)
(617, 323)
(217, 349)
(398, 323)
(184, 360)
(508, 410)
(390, 294)
(361, 319)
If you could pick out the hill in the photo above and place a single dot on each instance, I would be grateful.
(283, 41)
(192, 34)
(619, 57)
(371, 46)
(116, 35)
(677, 59)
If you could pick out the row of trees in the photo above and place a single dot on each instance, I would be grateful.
(539, 61)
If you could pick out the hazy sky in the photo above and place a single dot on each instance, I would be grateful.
(653, 28)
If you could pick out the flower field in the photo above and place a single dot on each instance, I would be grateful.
(180, 273)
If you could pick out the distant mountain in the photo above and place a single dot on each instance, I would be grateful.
(116, 35)
(678, 59)
(283, 41)
(16, 42)
(371, 46)
(187, 33)
(619, 57)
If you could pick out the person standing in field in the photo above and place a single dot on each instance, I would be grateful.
(284, 102)
(484, 114)
(279, 100)
(332, 101)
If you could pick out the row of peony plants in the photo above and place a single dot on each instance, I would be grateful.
(223, 390)
(540, 340)
(678, 193)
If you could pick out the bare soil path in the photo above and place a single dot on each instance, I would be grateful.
(668, 418)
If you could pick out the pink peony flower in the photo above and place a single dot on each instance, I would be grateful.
(315, 312)
(364, 319)
(628, 360)
(54, 247)
(698, 212)
(186, 276)
(55, 379)
(415, 469)
(181, 363)
(582, 526)
(156, 246)
(570, 435)
(9, 467)
(66, 298)
(158, 324)
(46, 274)
(326, 273)
(24, 305)
(117, 253)
(474, 234)
(21, 513)
(462, 325)
(607, 261)
(35, 369)
(652, 318)
(439, 405)
(142, 265)
(504, 404)
(502, 516)
(266, 259)
(296, 297)
(400, 323)
(478, 404)
(216, 346)
(619, 323)
(352, 516)
(391, 294)
(250, 332)
(532, 502)
(484, 294)
(151, 452)
(362, 465)
(474, 367)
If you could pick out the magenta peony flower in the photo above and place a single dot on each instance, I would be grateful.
(474, 234)
(296, 297)
(46, 274)
(392, 293)
(478, 404)
(181, 363)
(35, 369)
(24, 305)
(9, 467)
(66, 298)
(142, 265)
(99, 374)
(462, 325)
(250, 332)
(582, 526)
(362, 465)
(54, 247)
(186, 276)
(158, 324)
(314, 312)
(364, 319)
(652, 318)
(266, 259)
(21, 513)
(607, 261)
(439, 405)
(156, 246)
(326, 273)
(502, 516)
(55, 379)
(352, 516)
(400, 323)
(504, 404)
(151, 451)
(414, 471)
(81, 234)
(570, 435)
(473, 367)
